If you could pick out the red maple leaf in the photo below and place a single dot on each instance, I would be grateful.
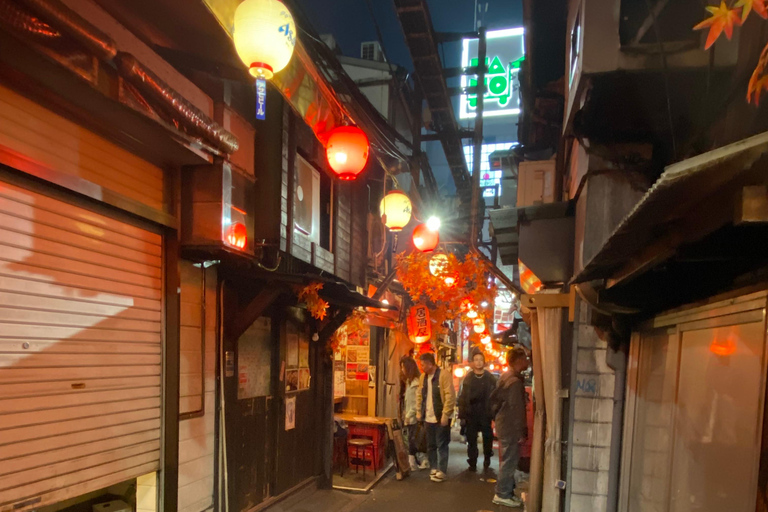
(759, 81)
(722, 19)
(748, 6)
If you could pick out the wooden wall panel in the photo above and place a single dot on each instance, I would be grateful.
(196, 434)
(61, 145)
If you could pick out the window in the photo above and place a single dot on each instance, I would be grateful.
(488, 178)
(306, 209)
(575, 48)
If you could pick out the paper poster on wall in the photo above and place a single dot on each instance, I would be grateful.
(290, 413)
(304, 378)
(292, 380)
(339, 384)
(292, 349)
(351, 371)
(362, 371)
(254, 361)
(352, 354)
(304, 351)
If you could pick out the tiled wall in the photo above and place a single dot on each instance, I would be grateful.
(592, 391)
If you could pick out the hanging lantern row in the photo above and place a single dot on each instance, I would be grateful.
(424, 239)
(395, 209)
(347, 151)
(265, 36)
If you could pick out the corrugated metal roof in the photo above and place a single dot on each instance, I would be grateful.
(674, 196)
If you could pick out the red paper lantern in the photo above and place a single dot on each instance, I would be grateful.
(424, 239)
(237, 236)
(347, 151)
(419, 327)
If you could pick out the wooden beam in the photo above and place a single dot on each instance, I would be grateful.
(255, 308)
(546, 300)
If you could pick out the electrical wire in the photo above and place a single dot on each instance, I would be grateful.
(665, 67)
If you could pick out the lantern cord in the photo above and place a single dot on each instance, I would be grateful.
(385, 142)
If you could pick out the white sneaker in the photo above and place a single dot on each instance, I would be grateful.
(439, 476)
(513, 502)
(424, 464)
(412, 462)
(433, 472)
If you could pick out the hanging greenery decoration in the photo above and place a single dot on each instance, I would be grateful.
(723, 19)
(310, 296)
(473, 286)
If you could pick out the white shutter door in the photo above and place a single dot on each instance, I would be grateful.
(80, 350)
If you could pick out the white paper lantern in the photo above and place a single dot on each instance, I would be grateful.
(265, 36)
(395, 210)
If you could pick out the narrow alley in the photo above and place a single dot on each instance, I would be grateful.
(250, 246)
(464, 491)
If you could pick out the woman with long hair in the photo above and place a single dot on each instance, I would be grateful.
(409, 375)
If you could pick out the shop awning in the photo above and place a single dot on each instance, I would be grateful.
(335, 292)
(689, 223)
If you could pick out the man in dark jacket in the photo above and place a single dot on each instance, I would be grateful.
(508, 405)
(475, 410)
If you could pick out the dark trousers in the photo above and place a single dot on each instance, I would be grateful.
(472, 429)
(410, 434)
(438, 438)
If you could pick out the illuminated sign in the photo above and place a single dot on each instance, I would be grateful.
(505, 54)
(488, 177)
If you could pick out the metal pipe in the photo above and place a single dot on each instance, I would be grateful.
(477, 151)
(75, 26)
(55, 15)
(617, 360)
(174, 103)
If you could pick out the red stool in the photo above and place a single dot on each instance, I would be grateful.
(363, 443)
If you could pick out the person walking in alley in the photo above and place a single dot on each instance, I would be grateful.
(475, 410)
(508, 402)
(410, 374)
(435, 402)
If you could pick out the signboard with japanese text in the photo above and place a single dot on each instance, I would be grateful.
(505, 55)
(419, 327)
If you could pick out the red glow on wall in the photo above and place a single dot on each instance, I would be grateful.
(725, 347)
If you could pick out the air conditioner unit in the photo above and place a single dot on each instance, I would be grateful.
(536, 183)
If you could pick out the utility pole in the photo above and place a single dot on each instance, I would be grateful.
(477, 152)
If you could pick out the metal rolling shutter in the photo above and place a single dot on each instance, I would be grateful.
(80, 350)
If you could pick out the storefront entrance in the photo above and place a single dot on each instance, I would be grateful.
(695, 409)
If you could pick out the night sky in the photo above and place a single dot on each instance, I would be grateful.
(350, 22)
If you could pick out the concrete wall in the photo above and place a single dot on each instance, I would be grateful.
(592, 387)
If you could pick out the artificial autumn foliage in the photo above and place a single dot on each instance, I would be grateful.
(355, 322)
(309, 295)
(470, 289)
(723, 19)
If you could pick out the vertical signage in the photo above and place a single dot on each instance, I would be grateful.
(261, 99)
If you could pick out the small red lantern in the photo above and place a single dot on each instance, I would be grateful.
(424, 239)
(419, 327)
(347, 151)
(237, 236)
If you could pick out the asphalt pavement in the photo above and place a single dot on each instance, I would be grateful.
(464, 491)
